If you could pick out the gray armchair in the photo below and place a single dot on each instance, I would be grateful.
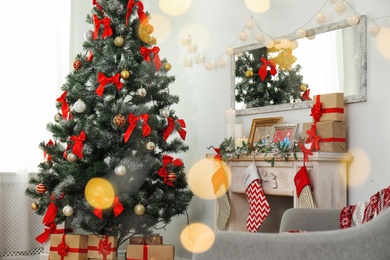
(365, 242)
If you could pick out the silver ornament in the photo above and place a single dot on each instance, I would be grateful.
(141, 92)
(79, 106)
(164, 113)
(71, 157)
(150, 146)
(120, 170)
(68, 211)
(88, 36)
(57, 117)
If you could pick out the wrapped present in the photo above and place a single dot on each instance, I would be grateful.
(152, 240)
(62, 228)
(102, 247)
(328, 107)
(149, 252)
(326, 136)
(68, 246)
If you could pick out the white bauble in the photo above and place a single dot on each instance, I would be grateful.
(120, 170)
(68, 211)
(79, 106)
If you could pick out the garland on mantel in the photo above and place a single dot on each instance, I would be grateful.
(280, 150)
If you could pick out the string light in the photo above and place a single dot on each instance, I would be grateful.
(339, 6)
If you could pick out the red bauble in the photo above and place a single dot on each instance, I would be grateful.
(171, 177)
(41, 188)
(77, 65)
(89, 56)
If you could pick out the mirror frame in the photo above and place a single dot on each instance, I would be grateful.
(362, 83)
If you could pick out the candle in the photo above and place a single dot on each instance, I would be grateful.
(230, 116)
(238, 141)
(229, 130)
(238, 130)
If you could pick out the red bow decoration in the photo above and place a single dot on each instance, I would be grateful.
(316, 111)
(217, 157)
(64, 106)
(104, 80)
(313, 138)
(107, 31)
(97, 5)
(141, 13)
(145, 52)
(62, 248)
(264, 68)
(104, 247)
(168, 161)
(132, 119)
(78, 143)
(306, 95)
(171, 126)
(306, 152)
(45, 156)
(116, 205)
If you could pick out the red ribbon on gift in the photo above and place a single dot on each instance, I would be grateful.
(171, 126)
(306, 152)
(167, 161)
(104, 247)
(78, 143)
(63, 249)
(313, 138)
(64, 106)
(333, 139)
(317, 110)
(301, 179)
(145, 52)
(132, 119)
(264, 68)
(45, 156)
(107, 31)
(141, 13)
(116, 205)
(104, 80)
(144, 256)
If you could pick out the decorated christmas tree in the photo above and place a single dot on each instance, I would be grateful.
(269, 77)
(110, 168)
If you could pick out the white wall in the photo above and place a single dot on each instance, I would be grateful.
(204, 95)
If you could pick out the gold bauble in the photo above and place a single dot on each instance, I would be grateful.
(71, 157)
(119, 41)
(249, 74)
(149, 29)
(125, 74)
(303, 88)
(35, 206)
(119, 120)
(139, 209)
(167, 66)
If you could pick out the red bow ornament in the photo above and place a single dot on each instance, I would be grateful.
(264, 68)
(316, 111)
(171, 126)
(104, 80)
(45, 155)
(313, 138)
(116, 206)
(78, 143)
(64, 106)
(146, 53)
(306, 152)
(306, 95)
(140, 10)
(107, 31)
(132, 119)
(168, 162)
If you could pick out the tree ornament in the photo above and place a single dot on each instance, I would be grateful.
(150, 146)
(120, 170)
(149, 29)
(79, 106)
(119, 41)
(88, 36)
(171, 177)
(303, 88)
(164, 113)
(249, 73)
(57, 117)
(139, 209)
(167, 66)
(77, 64)
(35, 206)
(41, 188)
(125, 74)
(119, 120)
(89, 57)
(71, 157)
(141, 92)
(68, 211)
(48, 163)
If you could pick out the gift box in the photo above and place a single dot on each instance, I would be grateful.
(328, 107)
(68, 246)
(102, 247)
(149, 252)
(152, 240)
(331, 135)
(62, 228)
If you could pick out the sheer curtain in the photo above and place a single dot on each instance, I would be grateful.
(35, 58)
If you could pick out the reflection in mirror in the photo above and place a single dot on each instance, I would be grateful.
(332, 58)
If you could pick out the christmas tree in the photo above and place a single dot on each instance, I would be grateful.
(109, 168)
(269, 77)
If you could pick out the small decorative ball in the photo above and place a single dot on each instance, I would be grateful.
(164, 113)
(167, 66)
(149, 29)
(48, 163)
(41, 188)
(303, 88)
(125, 74)
(57, 117)
(68, 211)
(71, 157)
(88, 36)
(79, 106)
(77, 64)
(35, 206)
(150, 146)
(89, 57)
(119, 120)
(171, 177)
(249, 74)
(139, 209)
(119, 41)
(120, 170)
(141, 92)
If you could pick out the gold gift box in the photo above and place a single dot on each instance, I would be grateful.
(109, 243)
(149, 252)
(333, 135)
(153, 240)
(332, 106)
(76, 247)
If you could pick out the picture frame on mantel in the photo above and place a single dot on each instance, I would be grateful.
(284, 133)
(261, 129)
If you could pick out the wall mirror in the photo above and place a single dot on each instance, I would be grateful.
(346, 57)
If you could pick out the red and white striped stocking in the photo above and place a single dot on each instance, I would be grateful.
(258, 204)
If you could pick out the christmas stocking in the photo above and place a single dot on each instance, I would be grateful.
(220, 184)
(258, 204)
(303, 188)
